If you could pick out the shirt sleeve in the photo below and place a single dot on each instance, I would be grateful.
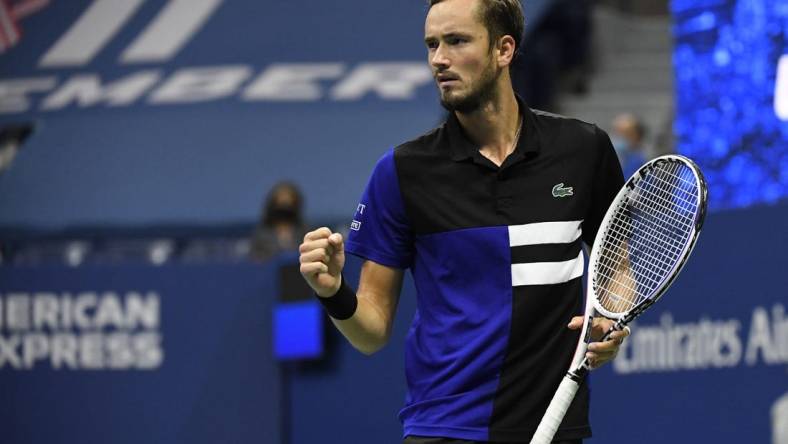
(608, 180)
(380, 231)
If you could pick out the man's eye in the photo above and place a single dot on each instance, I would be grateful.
(456, 40)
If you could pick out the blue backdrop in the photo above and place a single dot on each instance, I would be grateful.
(731, 59)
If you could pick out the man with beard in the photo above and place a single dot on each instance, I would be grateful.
(489, 211)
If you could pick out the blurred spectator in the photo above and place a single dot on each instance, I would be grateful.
(224, 249)
(628, 139)
(281, 227)
(556, 51)
(11, 139)
(54, 252)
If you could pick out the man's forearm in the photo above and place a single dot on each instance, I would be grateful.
(367, 330)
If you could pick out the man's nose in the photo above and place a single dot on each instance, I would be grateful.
(439, 59)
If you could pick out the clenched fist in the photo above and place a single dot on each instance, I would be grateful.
(322, 259)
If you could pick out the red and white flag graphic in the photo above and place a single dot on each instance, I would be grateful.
(10, 14)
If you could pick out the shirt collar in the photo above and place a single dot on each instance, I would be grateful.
(463, 148)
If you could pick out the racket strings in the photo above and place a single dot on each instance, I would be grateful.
(626, 234)
(646, 236)
(667, 203)
(646, 251)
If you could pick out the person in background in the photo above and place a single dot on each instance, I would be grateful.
(556, 55)
(281, 226)
(628, 137)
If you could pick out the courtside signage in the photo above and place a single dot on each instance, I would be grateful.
(706, 343)
(87, 330)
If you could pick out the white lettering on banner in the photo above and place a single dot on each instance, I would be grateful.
(279, 82)
(14, 93)
(18, 311)
(109, 312)
(142, 311)
(706, 344)
(201, 84)
(66, 309)
(113, 331)
(86, 90)
(64, 351)
(90, 356)
(768, 339)
(397, 81)
(84, 302)
(34, 348)
(45, 309)
(781, 89)
(173, 27)
(8, 352)
(294, 82)
(779, 414)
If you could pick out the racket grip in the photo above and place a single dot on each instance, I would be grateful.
(555, 411)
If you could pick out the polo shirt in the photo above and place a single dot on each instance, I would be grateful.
(497, 262)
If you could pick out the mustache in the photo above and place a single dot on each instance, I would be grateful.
(445, 75)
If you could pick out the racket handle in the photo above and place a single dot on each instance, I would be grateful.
(555, 412)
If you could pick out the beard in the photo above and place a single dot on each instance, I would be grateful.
(481, 92)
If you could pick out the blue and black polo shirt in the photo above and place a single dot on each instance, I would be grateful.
(496, 258)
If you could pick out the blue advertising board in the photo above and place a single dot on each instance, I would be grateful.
(138, 354)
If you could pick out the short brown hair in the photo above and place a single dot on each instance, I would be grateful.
(500, 17)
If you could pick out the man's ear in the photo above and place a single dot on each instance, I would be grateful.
(505, 48)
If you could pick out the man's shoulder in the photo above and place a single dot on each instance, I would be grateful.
(569, 135)
(559, 121)
(429, 143)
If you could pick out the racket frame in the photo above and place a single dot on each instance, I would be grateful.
(580, 366)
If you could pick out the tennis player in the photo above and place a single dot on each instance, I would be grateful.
(489, 212)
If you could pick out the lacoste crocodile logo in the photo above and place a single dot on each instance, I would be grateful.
(560, 191)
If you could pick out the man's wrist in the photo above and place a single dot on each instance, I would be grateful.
(331, 293)
(342, 305)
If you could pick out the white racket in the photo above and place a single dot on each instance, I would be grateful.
(642, 244)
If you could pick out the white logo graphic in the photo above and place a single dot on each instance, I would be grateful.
(355, 225)
(165, 35)
(360, 208)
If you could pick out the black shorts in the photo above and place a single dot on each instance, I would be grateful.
(410, 439)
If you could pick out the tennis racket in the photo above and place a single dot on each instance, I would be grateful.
(642, 244)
